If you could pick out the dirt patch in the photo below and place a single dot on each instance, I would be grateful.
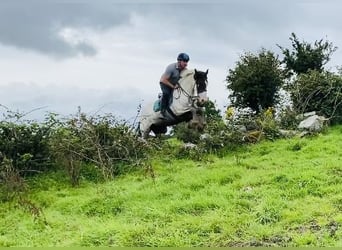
(273, 241)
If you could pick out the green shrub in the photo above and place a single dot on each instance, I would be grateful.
(268, 125)
(104, 142)
(182, 132)
(318, 91)
(288, 119)
(12, 185)
(26, 144)
(220, 136)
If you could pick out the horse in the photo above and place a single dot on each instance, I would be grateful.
(186, 105)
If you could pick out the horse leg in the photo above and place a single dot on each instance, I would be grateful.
(198, 120)
(145, 134)
(158, 129)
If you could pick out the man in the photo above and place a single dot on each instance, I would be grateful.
(169, 80)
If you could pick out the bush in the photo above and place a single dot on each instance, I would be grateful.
(106, 143)
(268, 125)
(251, 126)
(220, 136)
(12, 185)
(316, 91)
(288, 119)
(26, 145)
(184, 133)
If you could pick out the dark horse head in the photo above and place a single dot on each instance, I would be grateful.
(201, 80)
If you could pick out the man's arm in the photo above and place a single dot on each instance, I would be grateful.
(165, 80)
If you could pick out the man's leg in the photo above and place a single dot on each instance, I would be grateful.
(165, 98)
(164, 103)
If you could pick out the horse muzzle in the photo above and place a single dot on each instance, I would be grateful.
(202, 99)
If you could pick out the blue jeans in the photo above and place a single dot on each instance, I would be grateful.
(166, 97)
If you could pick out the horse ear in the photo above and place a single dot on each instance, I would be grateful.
(207, 72)
(195, 71)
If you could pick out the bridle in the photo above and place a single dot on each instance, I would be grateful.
(192, 98)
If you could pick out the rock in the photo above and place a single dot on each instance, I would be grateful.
(313, 123)
(287, 133)
(307, 114)
(189, 146)
(205, 136)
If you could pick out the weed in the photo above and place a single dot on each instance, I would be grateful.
(296, 147)
(34, 210)
(12, 184)
(268, 215)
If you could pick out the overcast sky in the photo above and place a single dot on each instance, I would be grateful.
(108, 55)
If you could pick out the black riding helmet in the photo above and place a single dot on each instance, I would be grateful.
(183, 57)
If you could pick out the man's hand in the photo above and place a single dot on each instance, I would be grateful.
(176, 86)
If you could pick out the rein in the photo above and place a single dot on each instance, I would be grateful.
(185, 93)
(192, 98)
(198, 84)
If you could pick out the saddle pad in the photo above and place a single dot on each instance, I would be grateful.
(156, 106)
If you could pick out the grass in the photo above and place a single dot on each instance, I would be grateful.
(282, 193)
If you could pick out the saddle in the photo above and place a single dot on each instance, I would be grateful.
(157, 103)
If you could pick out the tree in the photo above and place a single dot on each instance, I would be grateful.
(255, 81)
(304, 56)
(211, 112)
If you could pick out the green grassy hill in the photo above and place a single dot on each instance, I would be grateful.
(283, 193)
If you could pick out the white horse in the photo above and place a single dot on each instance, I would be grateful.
(187, 103)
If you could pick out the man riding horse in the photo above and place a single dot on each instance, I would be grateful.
(184, 105)
(169, 80)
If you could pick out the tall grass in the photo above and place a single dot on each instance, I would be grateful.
(282, 193)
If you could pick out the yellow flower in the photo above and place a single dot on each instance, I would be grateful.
(229, 112)
(269, 112)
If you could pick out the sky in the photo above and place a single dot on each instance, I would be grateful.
(107, 56)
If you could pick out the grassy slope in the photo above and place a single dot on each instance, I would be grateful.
(284, 193)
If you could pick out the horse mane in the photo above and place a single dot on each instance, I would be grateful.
(186, 73)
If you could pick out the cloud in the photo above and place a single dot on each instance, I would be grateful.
(112, 53)
(38, 101)
(36, 25)
(39, 25)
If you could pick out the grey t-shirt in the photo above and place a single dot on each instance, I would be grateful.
(172, 73)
